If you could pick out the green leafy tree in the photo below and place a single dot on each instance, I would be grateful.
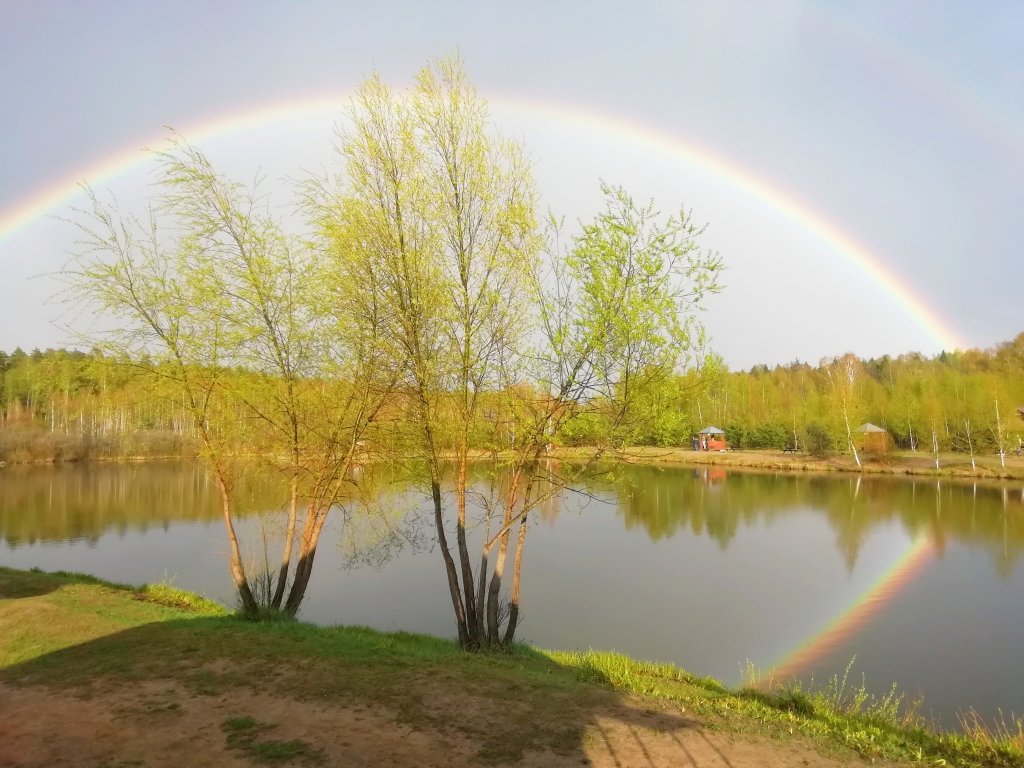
(269, 353)
(441, 212)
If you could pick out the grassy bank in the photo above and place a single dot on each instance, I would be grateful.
(893, 463)
(38, 446)
(70, 633)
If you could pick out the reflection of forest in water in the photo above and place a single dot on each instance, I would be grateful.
(709, 501)
(85, 501)
(82, 502)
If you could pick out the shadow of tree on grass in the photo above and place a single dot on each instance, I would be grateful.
(19, 584)
(139, 693)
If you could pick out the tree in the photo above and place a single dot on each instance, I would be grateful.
(1000, 434)
(270, 350)
(441, 212)
(618, 316)
(842, 375)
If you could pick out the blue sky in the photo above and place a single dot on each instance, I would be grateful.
(901, 125)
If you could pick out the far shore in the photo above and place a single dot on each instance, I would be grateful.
(892, 463)
(956, 465)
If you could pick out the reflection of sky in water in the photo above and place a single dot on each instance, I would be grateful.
(785, 558)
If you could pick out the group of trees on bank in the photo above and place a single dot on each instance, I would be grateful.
(427, 312)
(68, 405)
(961, 401)
(59, 404)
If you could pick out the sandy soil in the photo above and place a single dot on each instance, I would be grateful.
(158, 723)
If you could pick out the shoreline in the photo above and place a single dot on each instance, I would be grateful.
(898, 463)
(895, 463)
(169, 661)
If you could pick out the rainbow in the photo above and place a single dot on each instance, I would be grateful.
(65, 190)
(868, 604)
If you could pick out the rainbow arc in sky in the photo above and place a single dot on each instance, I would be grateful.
(66, 189)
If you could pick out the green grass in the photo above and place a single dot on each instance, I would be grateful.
(83, 634)
(243, 735)
(839, 714)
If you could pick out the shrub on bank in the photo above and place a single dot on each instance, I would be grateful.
(31, 444)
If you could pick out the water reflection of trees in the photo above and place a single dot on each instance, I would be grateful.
(84, 502)
(664, 501)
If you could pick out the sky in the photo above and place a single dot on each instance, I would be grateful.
(859, 166)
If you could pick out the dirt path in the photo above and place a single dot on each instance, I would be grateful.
(158, 723)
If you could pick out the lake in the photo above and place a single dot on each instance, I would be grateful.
(921, 580)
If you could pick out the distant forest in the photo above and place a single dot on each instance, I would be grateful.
(66, 405)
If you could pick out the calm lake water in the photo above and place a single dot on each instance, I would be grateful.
(922, 581)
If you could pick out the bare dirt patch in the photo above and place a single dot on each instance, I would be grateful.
(160, 723)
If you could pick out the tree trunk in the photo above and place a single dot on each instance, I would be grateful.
(473, 638)
(481, 590)
(449, 565)
(849, 434)
(235, 557)
(481, 587)
(286, 556)
(1000, 438)
(315, 519)
(970, 445)
(517, 569)
(303, 570)
(494, 589)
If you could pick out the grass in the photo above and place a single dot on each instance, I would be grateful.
(88, 636)
(840, 714)
(243, 736)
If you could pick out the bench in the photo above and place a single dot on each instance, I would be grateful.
(790, 449)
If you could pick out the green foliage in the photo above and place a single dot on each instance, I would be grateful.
(817, 440)
(909, 396)
(584, 429)
(770, 435)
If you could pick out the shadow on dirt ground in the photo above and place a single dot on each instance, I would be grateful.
(219, 691)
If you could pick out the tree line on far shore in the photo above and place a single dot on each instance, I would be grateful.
(68, 405)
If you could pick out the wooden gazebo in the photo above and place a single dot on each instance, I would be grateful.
(873, 439)
(712, 439)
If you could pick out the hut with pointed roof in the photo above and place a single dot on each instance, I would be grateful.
(873, 439)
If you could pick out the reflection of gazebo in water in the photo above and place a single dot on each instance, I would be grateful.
(873, 439)
(712, 439)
